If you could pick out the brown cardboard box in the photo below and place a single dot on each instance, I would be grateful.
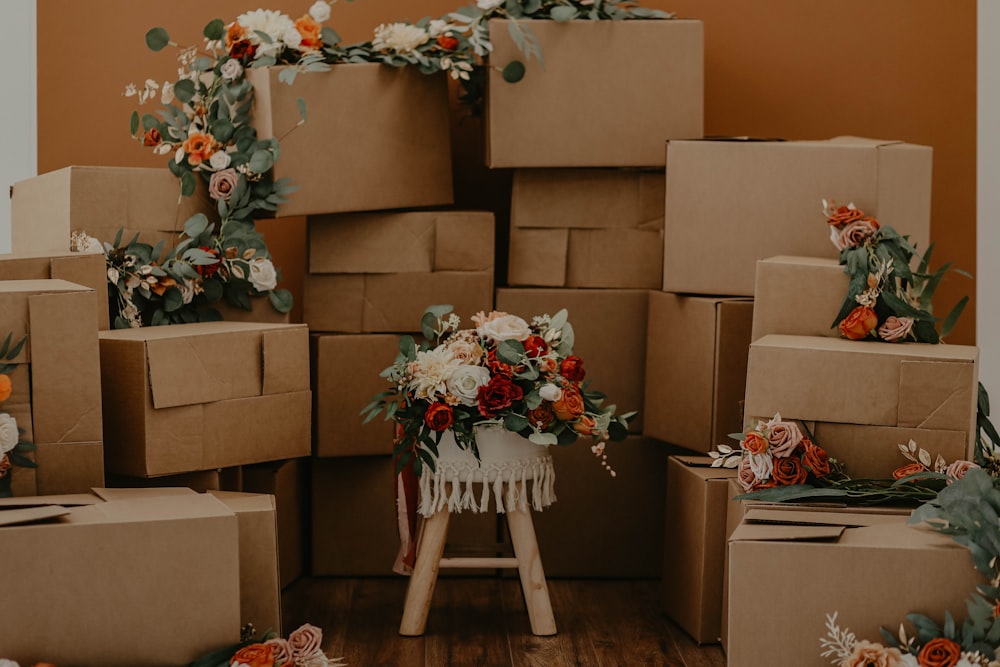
(695, 549)
(354, 529)
(346, 376)
(401, 242)
(390, 302)
(100, 201)
(286, 481)
(200, 481)
(860, 565)
(701, 343)
(610, 333)
(862, 398)
(734, 516)
(113, 584)
(591, 108)
(87, 269)
(57, 402)
(261, 310)
(395, 130)
(731, 203)
(586, 228)
(799, 296)
(604, 526)
(198, 396)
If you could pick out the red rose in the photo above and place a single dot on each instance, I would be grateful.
(541, 416)
(498, 367)
(572, 368)
(788, 470)
(439, 416)
(535, 346)
(815, 458)
(151, 137)
(447, 42)
(498, 394)
(859, 323)
(243, 50)
(939, 652)
(208, 270)
(843, 215)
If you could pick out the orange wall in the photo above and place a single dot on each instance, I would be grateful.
(893, 69)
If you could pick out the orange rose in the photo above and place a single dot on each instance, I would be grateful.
(199, 147)
(5, 387)
(541, 416)
(254, 655)
(310, 31)
(788, 470)
(815, 458)
(939, 652)
(162, 285)
(859, 323)
(447, 42)
(5, 465)
(151, 137)
(586, 425)
(908, 469)
(842, 215)
(570, 405)
(234, 34)
(754, 443)
(439, 417)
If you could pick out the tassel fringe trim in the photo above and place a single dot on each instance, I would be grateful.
(495, 476)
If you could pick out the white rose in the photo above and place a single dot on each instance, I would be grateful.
(187, 290)
(436, 27)
(292, 38)
(465, 382)
(320, 11)
(505, 327)
(488, 5)
(762, 465)
(262, 274)
(550, 392)
(231, 69)
(219, 159)
(8, 433)
(910, 660)
(8, 663)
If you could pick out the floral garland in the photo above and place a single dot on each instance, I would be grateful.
(887, 299)
(302, 648)
(13, 446)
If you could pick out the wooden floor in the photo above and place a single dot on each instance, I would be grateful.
(483, 622)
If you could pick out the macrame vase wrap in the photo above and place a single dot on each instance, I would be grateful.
(512, 470)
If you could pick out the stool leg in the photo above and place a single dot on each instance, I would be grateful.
(529, 566)
(424, 576)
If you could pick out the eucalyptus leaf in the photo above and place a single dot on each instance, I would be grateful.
(157, 39)
(281, 300)
(188, 184)
(196, 225)
(514, 71)
(510, 351)
(214, 30)
(544, 439)
(184, 90)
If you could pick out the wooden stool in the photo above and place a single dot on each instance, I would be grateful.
(527, 560)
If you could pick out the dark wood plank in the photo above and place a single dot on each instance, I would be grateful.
(372, 627)
(465, 626)
(526, 649)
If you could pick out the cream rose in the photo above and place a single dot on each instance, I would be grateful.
(222, 183)
(219, 160)
(292, 38)
(895, 328)
(465, 381)
(464, 351)
(320, 11)
(263, 277)
(762, 465)
(504, 327)
(305, 641)
(8, 433)
(783, 438)
(871, 654)
(550, 392)
(8, 663)
(231, 69)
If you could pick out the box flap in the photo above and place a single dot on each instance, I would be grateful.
(802, 516)
(66, 500)
(286, 360)
(159, 506)
(107, 494)
(18, 517)
(863, 141)
(936, 394)
(784, 533)
(245, 502)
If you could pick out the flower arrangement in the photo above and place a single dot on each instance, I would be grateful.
(504, 371)
(887, 299)
(302, 648)
(10, 663)
(966, 510)
(13, 446)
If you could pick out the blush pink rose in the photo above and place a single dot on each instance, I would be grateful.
(958, 469)
(282, 650)
(895, 328)
(222, 183)
(745, 475)
(854, 233)
(305, 641)
(783, 437)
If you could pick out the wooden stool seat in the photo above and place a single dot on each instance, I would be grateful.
(527, 560)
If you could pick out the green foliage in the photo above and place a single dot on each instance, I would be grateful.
(157, 39)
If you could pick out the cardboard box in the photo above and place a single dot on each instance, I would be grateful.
(860, 565)
(207, 395)
(395, 130)
(100, 201)
(401, 242)
(862, 398)
(390, 302)
(705, 341)
(735, 509)
(87, 269)
(799, 296)
(261, 310)
(603, 526)
(201, 481)
(590, 107)
(286, 481)
(731, 203)
(57, 401)
(695, 545)
(338, 425)
(111, 582)
(586, 228)
(610, 334)
(354, 518)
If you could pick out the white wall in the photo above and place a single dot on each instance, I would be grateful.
(18, 113)
(988, 199)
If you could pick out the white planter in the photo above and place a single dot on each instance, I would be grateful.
(507, 464)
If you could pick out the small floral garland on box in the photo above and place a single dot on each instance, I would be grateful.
(13, 446)
(887, 298)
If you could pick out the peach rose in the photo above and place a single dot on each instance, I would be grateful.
(869, 654)
(958, 469)
(843, 215)
(5, 387)
(908, 469)
(305, 641)
(754, 443)
(854, 234)
(939, 652)
(788, 471)
(310, 31)
(506, 327)
(859, 323)
(254, 655)
(199, 147)
(783, 437)
(586, 425)
(570, 405)
(895, 328)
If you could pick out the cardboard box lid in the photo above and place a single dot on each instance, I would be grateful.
(774, 523)
(17, 517)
